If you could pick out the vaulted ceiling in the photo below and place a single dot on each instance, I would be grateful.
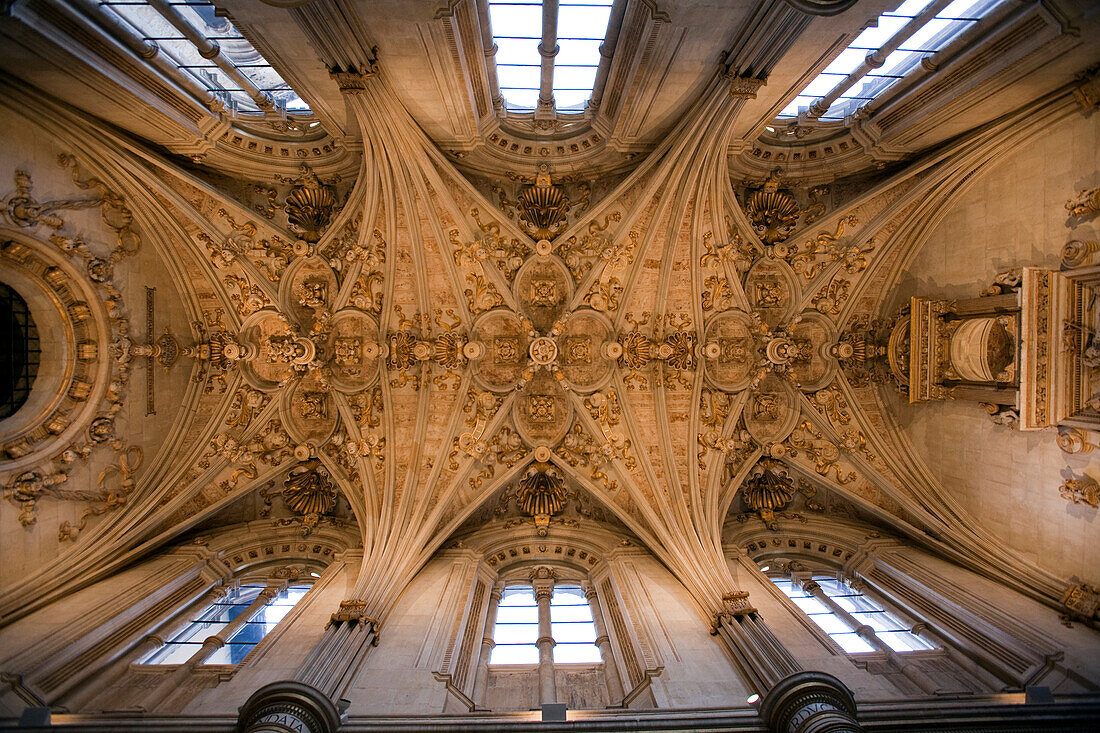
(448, 301)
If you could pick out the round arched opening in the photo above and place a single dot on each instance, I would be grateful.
(20, 351)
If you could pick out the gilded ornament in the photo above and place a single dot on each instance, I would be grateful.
(308, 489)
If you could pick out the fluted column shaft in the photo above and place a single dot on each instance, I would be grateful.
(481, 678)
(603, 642)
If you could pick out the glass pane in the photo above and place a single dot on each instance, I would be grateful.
(831, 623)
(577, 654)
(173, 653)
(831, 585)
(578, 52)
(521, 99)
(251, 633)
(230, 654)
(811, 605)
(855, 603)
(515, 21)
(515, 633)
(517, 51)
(822, 85)
(517, 615)
(579, 21)
(852, 643)
(572, 100)
(197, 631)
(573, 632)
(518, 77)
(965, 9)
(877, 620)
(568, 595)
(570, 613)
(517, 595)
(574, 77)
(872, 39)
(903, 641)
(846, 62)
(514, 654)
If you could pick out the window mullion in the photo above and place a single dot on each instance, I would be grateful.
(548, 49)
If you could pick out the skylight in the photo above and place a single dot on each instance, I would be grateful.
(900, 39)
(576, 27)
(161, 22)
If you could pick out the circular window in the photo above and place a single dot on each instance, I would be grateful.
(19, 351)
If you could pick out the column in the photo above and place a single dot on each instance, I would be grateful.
(763, 658)
(603, 642)
(110, 674)
(348, 637)
(288, 706)
(481, 677)
(213, 643)
(548, 49)
(916, 676)
(542, 581)
(810, 702)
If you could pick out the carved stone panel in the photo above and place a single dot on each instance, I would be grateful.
(543, 288)
(730, 348)
(542, 411)
(506, 344)
(581, 350)
(771, 411)
(772, 288)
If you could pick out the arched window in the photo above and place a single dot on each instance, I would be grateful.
(857, 623)
(19, 351)
(885, 53)
(576, 28)
(240, 619)
(517, 627)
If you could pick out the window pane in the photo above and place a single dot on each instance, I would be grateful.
(911, 7)
(517, 51)
(877, 620)
(577, 654)
(174, 653)
(514, 654)
(517, 595)
(574, 77)
(516, 21)
(570, 613)
(831, 623)
(852, 643)
(230, 654)
(579, 21)
(198, 631)
(518, 77)
(846, 62)
(520, 98)
(517, 615)
(856, 603)
(573, 52)
(811, 605)
(573, 632)
(515, 633)
(903, 641)
(567, 595)
(872, 39)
